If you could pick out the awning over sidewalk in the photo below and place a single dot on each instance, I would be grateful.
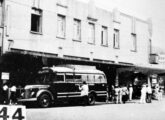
(69, 59)
(150, 69)
(145, 69)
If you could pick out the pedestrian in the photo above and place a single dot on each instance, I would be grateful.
(157, 91)
(130, 89)
(116, 96)
(1, 93)
(13, 99)
(160, 94)
(112, 93)
(120, 95)
(107, 94)
(84, 93)
(143, 94)
(149, 94)
(5, 92)
(124, 94)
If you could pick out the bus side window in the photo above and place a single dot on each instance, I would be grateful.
(78, 78)
(58, 77)
(84, 77)
(98, 78)
(91, 78)
(69, 78)
(103, 80)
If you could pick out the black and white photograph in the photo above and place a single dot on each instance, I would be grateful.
(82, 60)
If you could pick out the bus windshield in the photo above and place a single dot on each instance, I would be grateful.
(42, 79)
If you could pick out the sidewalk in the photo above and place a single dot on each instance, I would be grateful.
(138, 101)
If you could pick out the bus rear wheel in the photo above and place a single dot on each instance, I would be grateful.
(91, 99)
(44, 101)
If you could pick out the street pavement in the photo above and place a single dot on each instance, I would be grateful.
(101, 111)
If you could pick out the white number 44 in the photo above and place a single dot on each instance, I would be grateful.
(17, 115)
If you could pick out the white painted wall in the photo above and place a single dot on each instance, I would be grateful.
(19, 24)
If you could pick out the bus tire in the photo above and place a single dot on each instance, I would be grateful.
(91, 99)
(44, 100)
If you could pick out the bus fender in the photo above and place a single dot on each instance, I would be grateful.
(45, 91)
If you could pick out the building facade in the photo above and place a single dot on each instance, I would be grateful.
(37, 33)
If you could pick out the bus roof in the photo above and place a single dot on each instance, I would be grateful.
(70, 70)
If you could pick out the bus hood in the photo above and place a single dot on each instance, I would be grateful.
(36, 86)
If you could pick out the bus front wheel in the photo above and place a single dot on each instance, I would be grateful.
(44, 100)
(91, 99)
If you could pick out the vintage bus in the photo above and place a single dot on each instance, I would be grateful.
(61, 83)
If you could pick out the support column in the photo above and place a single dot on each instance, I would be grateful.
(148, 80)
(117, 78)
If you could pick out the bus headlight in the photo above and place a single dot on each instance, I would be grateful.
(32, 94)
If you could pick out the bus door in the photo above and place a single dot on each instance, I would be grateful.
(72, 87)
(58, 86)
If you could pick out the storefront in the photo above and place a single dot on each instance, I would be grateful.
(139, 75)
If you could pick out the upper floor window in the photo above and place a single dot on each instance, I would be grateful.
(104, 36)
(91, 33)
(77, 30)
(61, 26)
(133, 42)
(62, 3)
(116, 38)
(1, 1)
(1, 12)
(36, 20)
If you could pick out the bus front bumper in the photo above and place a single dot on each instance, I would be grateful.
(27, 100)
